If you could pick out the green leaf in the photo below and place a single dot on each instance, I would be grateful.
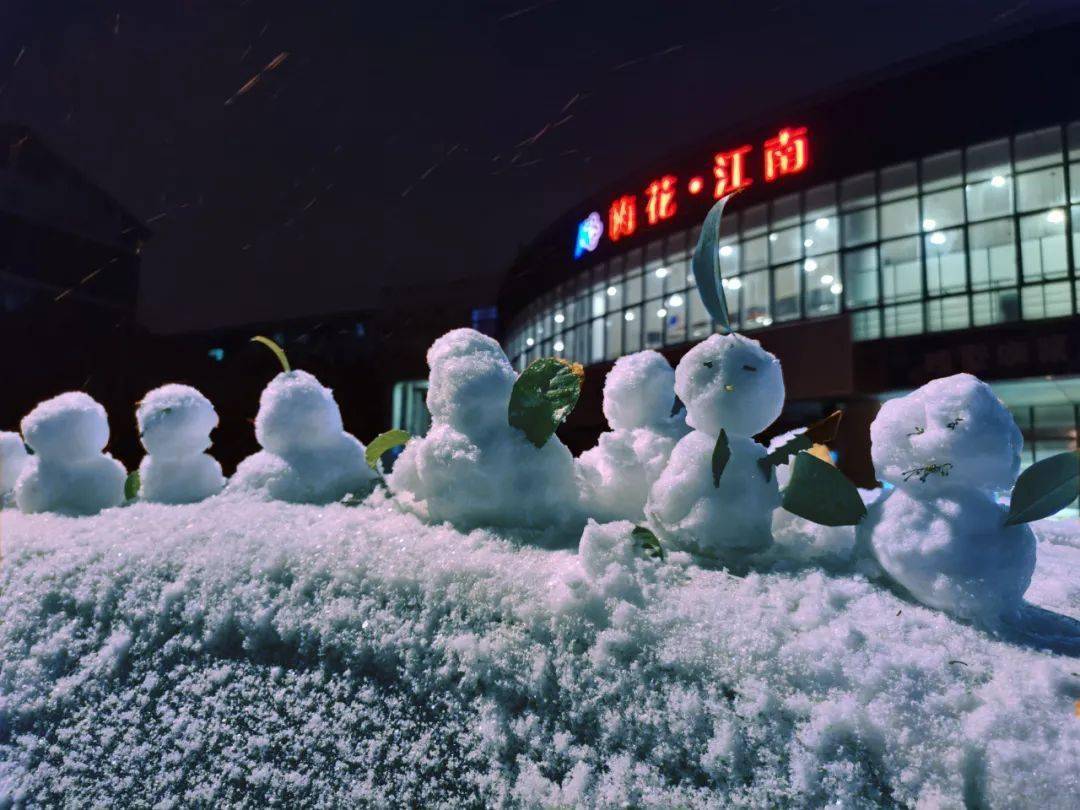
(821, 493)
(1045, 487)
(721, 454)
(706, 265)
(649, 541)
(543, 396)
(821, 432)
(383, 442)
(132, 484)
(279, 353)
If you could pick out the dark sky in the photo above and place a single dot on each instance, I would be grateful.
(382, 151)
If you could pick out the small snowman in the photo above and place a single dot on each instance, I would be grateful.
(729, 385)
(472, 468)
(13, 457)
(307, 456)
(615, 476)
(69, 472)
(948, 448)
(175, 422)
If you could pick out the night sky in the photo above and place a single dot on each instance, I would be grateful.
(386, 153)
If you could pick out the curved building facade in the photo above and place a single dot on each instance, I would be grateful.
(924, 223)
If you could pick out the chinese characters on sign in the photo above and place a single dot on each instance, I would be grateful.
(787, 153)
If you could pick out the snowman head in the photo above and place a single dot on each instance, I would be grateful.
(68, 427)
(175, 420)
(470, 382)
(953, 430)
(728, 382)
(297, 412)
(639, 391)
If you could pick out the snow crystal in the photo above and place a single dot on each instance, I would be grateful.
(175, 422)
(69, 473)
(239, 651)
(13, 456)
(307, 456)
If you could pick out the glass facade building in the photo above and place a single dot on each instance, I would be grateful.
(983, 234)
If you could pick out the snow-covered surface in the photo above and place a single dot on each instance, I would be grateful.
(239, 650)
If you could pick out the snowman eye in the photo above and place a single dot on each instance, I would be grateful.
(708, 364)
(750, 368)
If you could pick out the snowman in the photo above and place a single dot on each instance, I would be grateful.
(306, 456)
(728, 383)
(174, 426)
(947, 449)
(472, 468)
(69, 472)
(614, 477)
(13, 457)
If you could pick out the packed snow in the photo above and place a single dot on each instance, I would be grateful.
(246, 651)
(69, 472)
(13, 457)
(615, 477)
(307, 456)
(175, 422)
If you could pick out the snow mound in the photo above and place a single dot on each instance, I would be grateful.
(239, 651)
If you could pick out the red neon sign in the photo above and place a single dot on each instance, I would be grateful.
(622, 217)
(787, 153)
(661, 204)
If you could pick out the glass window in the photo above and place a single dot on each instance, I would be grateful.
(785, 245)
(900, 218)
(754, 220)
(992, 254)
(990, 198)
(729, 259)
(731, 289)
(819, 235)
(897, 182)
(755, 300)
(1074, 140)
(786, 292)
(1076, 235)
(820, 201)
(654, 316)
(942, 171)
(946, 269)
(1074, 182)
(997, 306)
(855, 192)
(785, 211)
(631, 290)
(1045, 301)
(860, 227)
(1040, 189)
(654, 278)
(943, 209)
(599, 300)
(987, 160)
(1039, 148)
(901, 270)
(755, 253)
(698, 316)
(905, 319)
(596, 340)
(866, 325)
(861, 277)
(613, 324)
(1042, 245)
(821, 282)
(632, 330)
(676, 279)
(675, 329)
(943, 314)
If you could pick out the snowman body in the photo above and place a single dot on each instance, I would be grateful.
(13, 458)
(69, 473)
(175, 422)
(727, 383)
(615, 477)
(948, 448)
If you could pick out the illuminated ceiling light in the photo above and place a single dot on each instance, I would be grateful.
(997, 181)
(661, 313)
(765, 320)
(821, 223)
(1055, 216)
(836, 288)
(937, 238)
(810, 265)
(661, 272)
(690, 278)
(675, 300)
(612, 291)
(529, 341)
(929, 224)
(773, 237)
(827, 279)
(559, 346)
(807, 242)
(726, 250)
(559, 317)
(735, 284)
(696, 185)
(629, 316)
